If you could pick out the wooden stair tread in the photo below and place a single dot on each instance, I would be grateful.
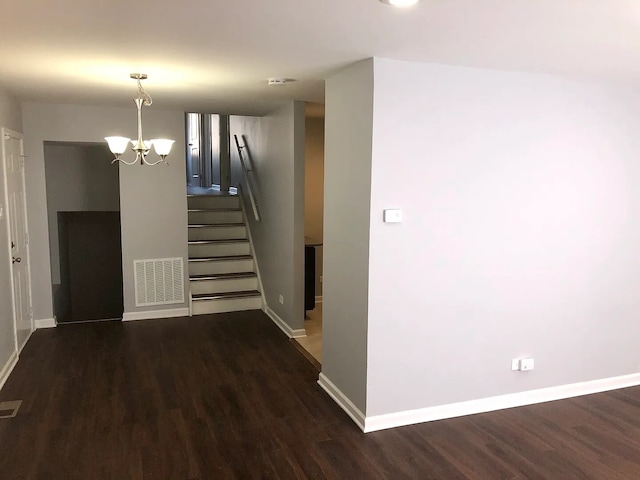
(225, 295)
(223, 276)
(218, 241)
(220, 258)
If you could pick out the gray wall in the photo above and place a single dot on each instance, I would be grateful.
(276, 142)
(10, 117)
(520, 237)
(347, 186)
(78, 178)
(314, 187)
(152, 199)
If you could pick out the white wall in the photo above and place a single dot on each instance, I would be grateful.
(276, 144)
(152, 199)
(347, 187)
(10, 117)
(95, 187)
(520, 235)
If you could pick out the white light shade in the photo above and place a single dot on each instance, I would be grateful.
(400, 3)
(117, 145)
(162, 146)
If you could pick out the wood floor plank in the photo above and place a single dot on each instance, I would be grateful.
(229, 397)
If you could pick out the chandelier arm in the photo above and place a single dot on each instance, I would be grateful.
(162, 160)
(124, 161)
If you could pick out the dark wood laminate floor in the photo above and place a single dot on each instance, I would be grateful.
(229, 397)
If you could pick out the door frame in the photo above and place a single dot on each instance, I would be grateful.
(8, 134)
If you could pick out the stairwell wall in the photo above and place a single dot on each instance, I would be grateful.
(10, 117)
(275, 153)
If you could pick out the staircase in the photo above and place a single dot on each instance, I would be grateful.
(222, 273)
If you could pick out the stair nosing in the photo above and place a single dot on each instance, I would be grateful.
(225, 295)
(223, 276)
(217, 195)
(219, 241)
(219, 258)
(214, 209)
(215, 225)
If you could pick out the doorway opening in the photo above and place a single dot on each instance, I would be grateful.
(313, 230)
(208, 154)
(83, 209)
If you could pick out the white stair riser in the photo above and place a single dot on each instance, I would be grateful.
(220, 266)
(217, 233)
(201, 307)
(223, 285)
(219, 250)
(203, 201)
(210, 218)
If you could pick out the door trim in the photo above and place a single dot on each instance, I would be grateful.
(8, 134)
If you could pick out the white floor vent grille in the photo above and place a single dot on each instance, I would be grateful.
(159, 281)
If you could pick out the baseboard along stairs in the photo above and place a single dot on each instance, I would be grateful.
(222, 273)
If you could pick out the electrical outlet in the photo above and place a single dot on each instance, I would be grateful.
(515, 364)
(281, 299)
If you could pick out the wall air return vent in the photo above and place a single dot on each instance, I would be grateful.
(159, 281)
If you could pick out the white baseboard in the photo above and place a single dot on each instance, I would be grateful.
(318, 298)
(342, 400)
(8, 368)
(24, 344)
(155, 314)
(289, 332)
(45, 323)
(411, 417)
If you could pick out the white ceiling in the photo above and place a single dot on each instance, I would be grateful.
(215, 56)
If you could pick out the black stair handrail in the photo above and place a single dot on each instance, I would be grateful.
(245, 172)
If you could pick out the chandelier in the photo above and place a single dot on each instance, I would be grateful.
(118, 145)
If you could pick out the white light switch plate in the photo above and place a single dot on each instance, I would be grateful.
(393, 215)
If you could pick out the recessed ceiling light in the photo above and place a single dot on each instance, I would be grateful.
(400, 3)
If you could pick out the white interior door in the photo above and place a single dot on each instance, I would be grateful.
(12, 149)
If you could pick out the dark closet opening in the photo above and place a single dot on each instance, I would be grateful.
(83, 203)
